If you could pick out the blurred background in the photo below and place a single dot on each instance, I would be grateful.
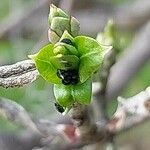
(23, 30)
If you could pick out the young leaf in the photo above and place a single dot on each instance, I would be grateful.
(66, 35)
(44, 65)
(63, 95)
(91, 56)
(82, 92)
(63, 48)
(67, 95)
(65, 61)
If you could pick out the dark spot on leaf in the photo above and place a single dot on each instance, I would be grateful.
(67, 41)
(68, 76)
(59, 108)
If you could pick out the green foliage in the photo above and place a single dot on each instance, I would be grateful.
(86, 55)
(44, 62)
(91, 56)
(67, 95)
(82, 92)
(63, 95)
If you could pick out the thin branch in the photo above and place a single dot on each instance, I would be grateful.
(18, 74)
(17, 69)
(19, 80)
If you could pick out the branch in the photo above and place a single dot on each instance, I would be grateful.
(17, 69)
(131, 112)
(20, 80)
(129, 63)
(82, 119)
(18, 74)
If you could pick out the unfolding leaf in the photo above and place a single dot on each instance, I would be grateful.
(65, 62)
(91, 56)
(82, 92)
(66, 35)
(63, 48)
(63, 95)
(67, 95)
(44, 65)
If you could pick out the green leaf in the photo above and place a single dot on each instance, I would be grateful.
(82, 92)
(44, 65)
(91, 56)
(65, 61)
(63, 48)
(66, 35)
(63, 95)
(67, 95)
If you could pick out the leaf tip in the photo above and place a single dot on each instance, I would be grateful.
(32, 56)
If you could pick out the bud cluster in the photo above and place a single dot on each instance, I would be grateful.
(69, 60)
(59, 21)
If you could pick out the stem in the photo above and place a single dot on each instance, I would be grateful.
(82, 120)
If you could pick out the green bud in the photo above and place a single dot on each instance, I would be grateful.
(66, 35)
(66, 45)
(65, 62)
(59, 49)
(56, 12)
(63, 95)
(107, 37)
(66, 55)
(69, 61)
(59, 21)
(110, 36)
